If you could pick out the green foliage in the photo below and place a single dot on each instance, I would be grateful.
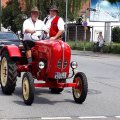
(74, 7)
(116, 34)
(11, 15)
(79, 45)
(112, 48)
(115, 48)
(107, 49)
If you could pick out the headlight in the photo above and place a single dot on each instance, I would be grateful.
(41, 65)
(74, 65)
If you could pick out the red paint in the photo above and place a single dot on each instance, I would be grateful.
(57, 85)
(22, 68)
(12, 50)
(54, 27)
(51, 52)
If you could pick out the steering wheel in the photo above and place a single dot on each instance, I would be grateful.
(39, 35)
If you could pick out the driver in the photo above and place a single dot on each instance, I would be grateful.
(30, 26)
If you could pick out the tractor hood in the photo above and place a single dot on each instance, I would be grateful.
(57, 54)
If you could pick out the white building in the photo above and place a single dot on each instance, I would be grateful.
(100, 27)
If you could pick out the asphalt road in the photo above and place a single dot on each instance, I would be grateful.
(103, 100)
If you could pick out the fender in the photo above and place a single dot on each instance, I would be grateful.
(12, 50)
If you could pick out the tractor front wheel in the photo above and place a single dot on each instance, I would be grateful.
(80, 91)
(28, 88)
(8, 73)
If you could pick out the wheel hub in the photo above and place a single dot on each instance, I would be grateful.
(25, 88)
(4, 72)
(78, 88)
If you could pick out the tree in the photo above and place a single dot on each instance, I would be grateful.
(116, 34)
(74, 7)
(11, 15)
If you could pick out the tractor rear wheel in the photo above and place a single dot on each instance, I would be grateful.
(28, 88)
(8, 73)
(80, 91)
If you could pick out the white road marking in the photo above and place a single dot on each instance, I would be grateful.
(93, 117)
(117, 116)
(70, 118)
(55, 118)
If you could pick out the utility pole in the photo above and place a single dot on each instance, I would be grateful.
(85, 28)
(66, 20)
(0, 13)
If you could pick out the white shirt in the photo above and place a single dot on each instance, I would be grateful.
(60, 23)
(100, 40)
(28, 24)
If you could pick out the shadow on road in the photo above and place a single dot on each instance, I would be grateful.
(39, 99)
(93, 92)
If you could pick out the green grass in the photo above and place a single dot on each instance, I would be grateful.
(79, 45)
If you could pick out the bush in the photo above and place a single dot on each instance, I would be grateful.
(116, 34)
(114, 48)
(79, 45)
(107, 49)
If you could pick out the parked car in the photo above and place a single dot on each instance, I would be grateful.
(8, 38)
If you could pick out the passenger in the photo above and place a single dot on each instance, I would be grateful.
(54, 23)
(29, 27)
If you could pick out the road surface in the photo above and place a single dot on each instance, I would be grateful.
(103, 100)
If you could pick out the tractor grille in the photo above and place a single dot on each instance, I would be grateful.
(59, 64)
(65, 64)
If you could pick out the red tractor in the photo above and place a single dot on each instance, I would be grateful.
(51, 63)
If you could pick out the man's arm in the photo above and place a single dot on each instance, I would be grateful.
(60, 32)
(61, 29)
(29, 31)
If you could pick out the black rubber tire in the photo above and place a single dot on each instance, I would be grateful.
(84, 90)
(9, 88)
(30, 99)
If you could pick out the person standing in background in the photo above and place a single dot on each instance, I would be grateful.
(100, 40)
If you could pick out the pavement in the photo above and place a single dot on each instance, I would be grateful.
(94, 54)
(102, 102)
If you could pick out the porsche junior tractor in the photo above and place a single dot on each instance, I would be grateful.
(51, 63)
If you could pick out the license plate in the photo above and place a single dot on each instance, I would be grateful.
(59, 75)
